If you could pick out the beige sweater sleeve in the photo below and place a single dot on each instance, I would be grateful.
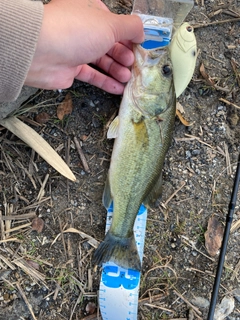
(20, 24)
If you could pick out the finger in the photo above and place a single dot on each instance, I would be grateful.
(122, 54)
(98, 79)
(128, 27)
(114, 69)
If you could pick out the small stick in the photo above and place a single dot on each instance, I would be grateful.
(25, 300)
(18, 228)
(188, 303)
(178, 319)
(158, 307)
(229, 103)
(90, 281)
(235, 226)
(79, 284)
(228, 163)
(215, 22)
(8, 222)
(153, 298)
(81, 155)
(194, 247)
(235, 271)
(2, 226)
(58, 287)
(174, 193)
(62, 236)
(10, 239)
(8, 263)
(198, 139)
(42, 191)
(24, 216)
(92, 317)
(77, 302)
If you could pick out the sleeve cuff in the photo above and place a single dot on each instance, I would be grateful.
(20, 25)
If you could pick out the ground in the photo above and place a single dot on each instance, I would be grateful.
(51, 271)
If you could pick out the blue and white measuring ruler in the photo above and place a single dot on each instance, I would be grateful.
(119, 287)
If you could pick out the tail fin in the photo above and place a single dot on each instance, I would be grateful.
(122, 251)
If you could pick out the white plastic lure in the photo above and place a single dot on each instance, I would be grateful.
(183, 53)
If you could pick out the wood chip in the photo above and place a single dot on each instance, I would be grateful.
(213, 236)
(42, 117)
(65, 107)
(37, 224)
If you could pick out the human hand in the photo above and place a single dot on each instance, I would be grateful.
(78, 32)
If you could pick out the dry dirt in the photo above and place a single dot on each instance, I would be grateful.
(202, 161)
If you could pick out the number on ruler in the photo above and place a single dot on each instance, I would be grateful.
(112, 277)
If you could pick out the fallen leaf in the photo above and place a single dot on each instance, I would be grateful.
(33, 264)
(42, 117)
(224, 308)
(93, 242)
(183, 120)
(65, 107)
(206, 76)
(35, 141)
(37, 224)
(179, 107)
(213, 236)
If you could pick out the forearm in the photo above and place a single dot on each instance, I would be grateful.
(20, 24)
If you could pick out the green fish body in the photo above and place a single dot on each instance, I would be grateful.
(143, 133)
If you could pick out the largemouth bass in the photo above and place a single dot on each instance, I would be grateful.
(143, 133)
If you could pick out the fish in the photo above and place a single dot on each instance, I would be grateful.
(143, 133)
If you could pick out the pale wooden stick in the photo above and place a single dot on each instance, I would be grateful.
(25, 300)
(158, 307)
(2, 226)
(188, 303)
(42, 191)
(81, 155)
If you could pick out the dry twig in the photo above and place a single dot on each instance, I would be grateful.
(25, 300)
(188, 303)
(81, 155)
(174, 193)
(202, 25)
(229, 103)
(158, 307)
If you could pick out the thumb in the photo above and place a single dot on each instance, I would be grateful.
(128, 27)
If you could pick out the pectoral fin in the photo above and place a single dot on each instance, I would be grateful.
(113, 129)
(107, 197)
(155, 193)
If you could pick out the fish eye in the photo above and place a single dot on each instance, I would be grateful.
(166, 70)
(189, 28)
